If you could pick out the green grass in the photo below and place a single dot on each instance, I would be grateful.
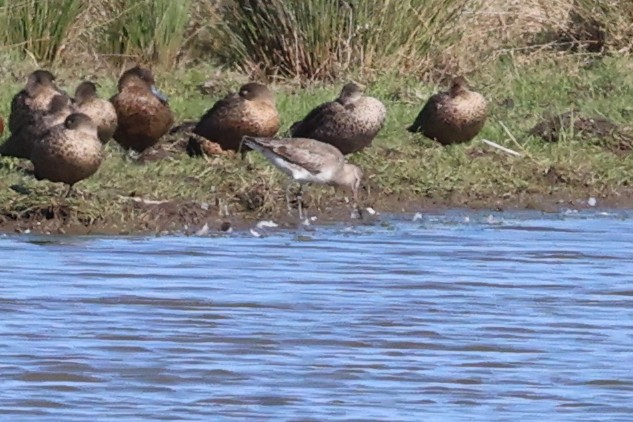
(37, 27)
(307, 40)
(400, 168)
(151, 31)
(322, 39)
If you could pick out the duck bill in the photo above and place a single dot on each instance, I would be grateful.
(159, 94)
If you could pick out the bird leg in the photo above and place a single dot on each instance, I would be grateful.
(355, 207)
(69, 191)
(288, 186)
(243, 154)
(299, 199)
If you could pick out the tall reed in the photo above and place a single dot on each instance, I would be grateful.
(292, 38)
(312, 39)
(37, 27)
(409, 35)
(322, 38)
(151, 31)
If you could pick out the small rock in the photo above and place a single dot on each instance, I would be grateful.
(204, 206)
(203, 231)
(370, 211)
(255, 233)
(266, 224)
(592, 202)
(417, 217)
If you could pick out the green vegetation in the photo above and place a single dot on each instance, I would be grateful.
(312, 39)
(402, 170)
(151, 30)
(37, 28)
(322, 39)
(527, 61)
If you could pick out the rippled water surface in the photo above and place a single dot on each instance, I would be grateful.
(458, 316)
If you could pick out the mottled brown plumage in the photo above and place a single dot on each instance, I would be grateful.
(69, 152)
(21, 141)
(142, 111)
(249, 112)
(36, 96)
(350, 122)
(101, 111)
(452, 117)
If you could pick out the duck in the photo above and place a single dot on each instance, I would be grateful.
(143, 112)
(20, 143)
(309, 161)
(101, 111)
(350, 122)
(35, 97)
(249, 112)
(69, 152)
(454, 116)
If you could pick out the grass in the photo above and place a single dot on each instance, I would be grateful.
(311, 39)
(38, 28)
(402, 170)
(601, 25)
(151, 31)
(322, 39)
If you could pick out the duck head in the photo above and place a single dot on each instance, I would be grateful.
(140, 76)
(39, 81)
(58, 104)
(85, 92)
(350, 93)
(459, 86)
(254, 91)
(81, 122)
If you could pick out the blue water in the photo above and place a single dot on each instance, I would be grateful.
(456, 316)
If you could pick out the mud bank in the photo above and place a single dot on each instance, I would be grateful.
(199, 218)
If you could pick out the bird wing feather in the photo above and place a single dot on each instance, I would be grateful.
(307, 153)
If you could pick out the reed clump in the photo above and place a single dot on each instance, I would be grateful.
(313, 39)
(150, 31)
(37, 28)
(321, 39)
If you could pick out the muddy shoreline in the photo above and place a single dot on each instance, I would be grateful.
(195, 218)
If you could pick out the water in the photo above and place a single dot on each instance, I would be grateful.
(459, 316)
